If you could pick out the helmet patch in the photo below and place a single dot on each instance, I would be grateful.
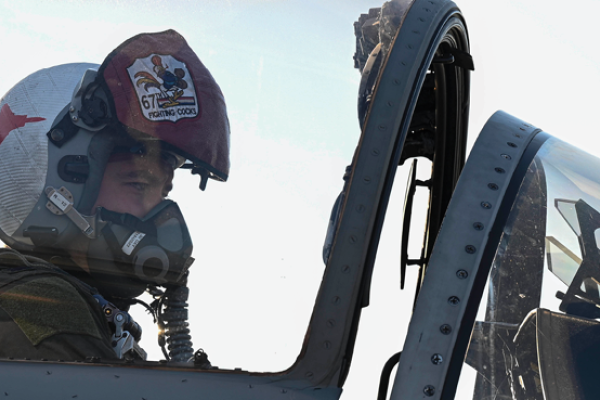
(157, 86)
(164, 88)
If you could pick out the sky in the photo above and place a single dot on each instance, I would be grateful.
(286, 70)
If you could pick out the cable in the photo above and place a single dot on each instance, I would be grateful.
(173, 325)
(384, 382)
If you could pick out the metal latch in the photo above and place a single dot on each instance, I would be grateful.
(123, 341)
(61, 202)
(127, 332)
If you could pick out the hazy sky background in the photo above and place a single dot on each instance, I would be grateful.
(287, 73)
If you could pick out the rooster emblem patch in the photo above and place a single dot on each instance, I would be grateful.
(164, 88)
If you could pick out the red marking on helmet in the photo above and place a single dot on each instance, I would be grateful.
(10, 121)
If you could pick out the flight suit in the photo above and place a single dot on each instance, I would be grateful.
(46, 314)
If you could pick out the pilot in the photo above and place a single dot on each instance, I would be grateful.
(87, 158)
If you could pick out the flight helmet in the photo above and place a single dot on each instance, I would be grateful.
(59, 127)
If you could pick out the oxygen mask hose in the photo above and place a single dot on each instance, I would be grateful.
(173, 321)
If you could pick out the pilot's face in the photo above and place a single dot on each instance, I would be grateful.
(134, 184)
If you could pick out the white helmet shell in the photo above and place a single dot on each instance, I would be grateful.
(27, 112)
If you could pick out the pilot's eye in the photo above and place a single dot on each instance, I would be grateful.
(140, 186)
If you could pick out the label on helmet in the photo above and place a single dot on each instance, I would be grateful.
(59, 201)
(164, 88)
(131, 243)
